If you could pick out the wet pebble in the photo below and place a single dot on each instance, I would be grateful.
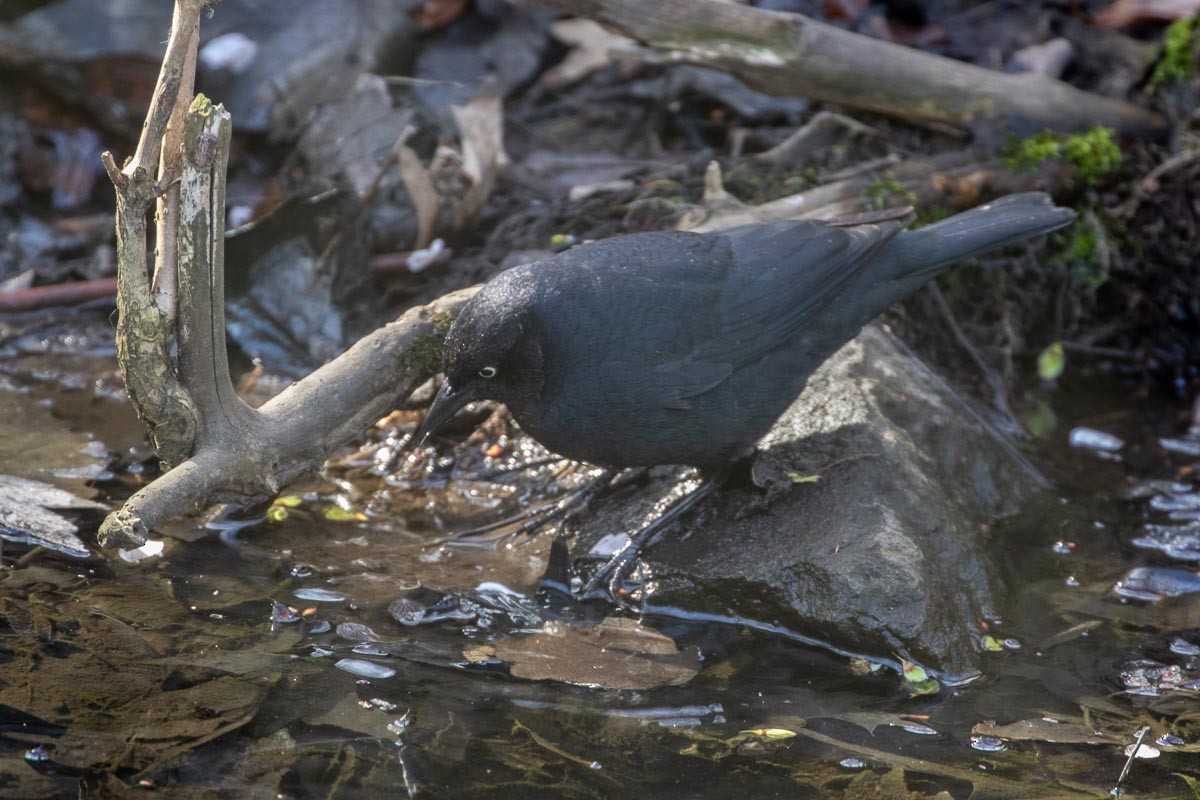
(365, 669)
(1143, 751)
(319, 595)
(988, 744)
(37, 755)
(281, 614)
(1189, 446)
(1062, 548)
(852, 763)
(1092, 439)
(1169, 740)
(319, 626)
(356, 631)
(920, 730)
(1183, 647)
(1155, 583)
(1148, 677)
(1145, 489)
(369, 650)
(424, 606)
(1176, 502)
(1180, 542)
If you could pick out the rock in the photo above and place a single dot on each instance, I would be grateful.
(884, 553)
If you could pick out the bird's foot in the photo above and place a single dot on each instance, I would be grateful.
(613, 573)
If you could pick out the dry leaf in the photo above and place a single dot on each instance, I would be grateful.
(1044, 730)
(592, 48)
(420, 189)
(481, 130)
(616, 654)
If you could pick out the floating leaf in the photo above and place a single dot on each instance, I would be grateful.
(797, 477)
(336, 514)
(277, 514)
(992, 644)
(770, 733)
(913, 672)
(616, 654)
(289, 501)
(1051, 361)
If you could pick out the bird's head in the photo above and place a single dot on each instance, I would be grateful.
(492, 352)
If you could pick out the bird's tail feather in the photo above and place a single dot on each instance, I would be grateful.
(927, 251)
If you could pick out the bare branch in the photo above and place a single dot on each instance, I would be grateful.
(166, 216)
(144, 333)
(296, 432)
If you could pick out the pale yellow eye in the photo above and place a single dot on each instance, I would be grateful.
(487, 372)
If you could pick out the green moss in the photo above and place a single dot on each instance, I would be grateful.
(929, 215)
(443, 323)
(424, 355)
(1079, 249)
(1032, 152)
(1181, 50)
(888, 192)
(1094, 153)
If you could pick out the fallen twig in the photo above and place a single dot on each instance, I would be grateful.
(59, 294)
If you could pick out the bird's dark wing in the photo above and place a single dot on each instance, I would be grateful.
(782, 275)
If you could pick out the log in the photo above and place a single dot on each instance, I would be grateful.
(788, 54)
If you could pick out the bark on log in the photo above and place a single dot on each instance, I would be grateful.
(792, 55)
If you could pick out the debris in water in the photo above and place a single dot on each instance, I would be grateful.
(1180, 542)
(37, 755)
(1149, 678)
(319, 595)
(1183, 647)
(1189, 447)
(988, 744)
(151, 549)
(1092, 439)
(356, 631)
(1155, 583)
(365, 669)
(281, 614)
(1169, 740)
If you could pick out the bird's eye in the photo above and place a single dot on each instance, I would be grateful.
(487, 372)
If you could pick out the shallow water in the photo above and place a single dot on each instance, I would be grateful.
(261, 659)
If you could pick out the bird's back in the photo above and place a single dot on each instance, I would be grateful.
(684, 348)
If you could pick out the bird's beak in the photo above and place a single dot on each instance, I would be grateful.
(444, 406)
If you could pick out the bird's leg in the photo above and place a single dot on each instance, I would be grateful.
(563, 508)
(612, 572)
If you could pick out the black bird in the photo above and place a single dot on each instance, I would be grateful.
(684, 348)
